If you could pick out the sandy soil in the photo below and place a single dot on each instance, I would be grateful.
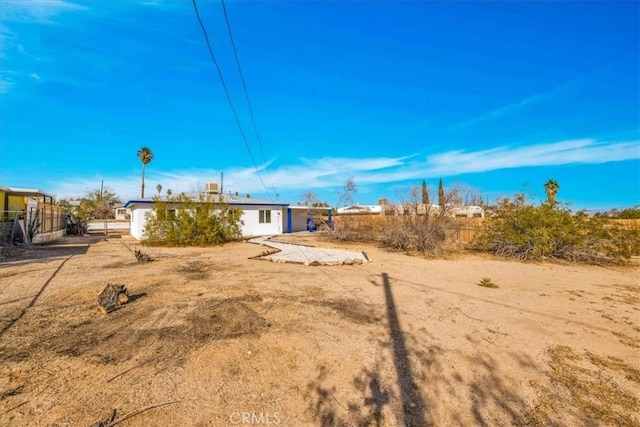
(212, 337)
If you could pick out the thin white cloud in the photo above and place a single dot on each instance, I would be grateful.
(548, 95)
(509, 108)
(557, 153)
(37, 11)
(7, 41)
(331, 173)
(19, 43)
(6, 84)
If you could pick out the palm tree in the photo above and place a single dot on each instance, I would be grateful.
(159, 188)
(145, 155)
(551, 188)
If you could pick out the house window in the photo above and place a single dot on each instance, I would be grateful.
(264, 217)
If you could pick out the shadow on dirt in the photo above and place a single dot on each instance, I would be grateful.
(12, 322)
(134, 297)
(411, 385)
(61, 248)
(413, 406)
(374, 395)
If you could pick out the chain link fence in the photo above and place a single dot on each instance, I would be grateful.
(21, 226)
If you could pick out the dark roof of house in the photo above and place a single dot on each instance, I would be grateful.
(230, 199)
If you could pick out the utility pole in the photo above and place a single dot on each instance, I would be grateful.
(106, 232)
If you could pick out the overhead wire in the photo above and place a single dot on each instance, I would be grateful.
(228, 96)
(246, 92)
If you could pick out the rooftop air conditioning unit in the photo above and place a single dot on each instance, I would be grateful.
(213, 188)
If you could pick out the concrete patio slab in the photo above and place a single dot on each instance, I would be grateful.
(308, 255)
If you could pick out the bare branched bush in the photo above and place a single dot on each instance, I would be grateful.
(470, 196)
(142, 257)
(345, 227)
(420, 227)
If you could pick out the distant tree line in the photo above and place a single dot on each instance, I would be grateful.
(512, 227)
(95, 204)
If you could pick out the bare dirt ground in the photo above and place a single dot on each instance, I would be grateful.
(212, 337)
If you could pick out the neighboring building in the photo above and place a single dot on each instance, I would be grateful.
(259, 217)
(121, 213)
(469, 212)
(33, 211)
(74, 204)
(412, 209)
(360, 209)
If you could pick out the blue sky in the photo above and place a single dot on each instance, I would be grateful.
(495, 96)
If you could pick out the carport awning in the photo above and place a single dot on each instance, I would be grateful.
(30, 192)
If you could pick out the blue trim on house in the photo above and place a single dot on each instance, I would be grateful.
(129, 202)
(289, 221)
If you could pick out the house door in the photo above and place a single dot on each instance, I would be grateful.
(279, 220)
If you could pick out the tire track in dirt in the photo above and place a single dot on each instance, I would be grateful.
(10, 324)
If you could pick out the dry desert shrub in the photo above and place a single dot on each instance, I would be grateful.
(421, 227)
(592, 390)
(486, 282)
(524, 231)
(142, 257)
(185, 221)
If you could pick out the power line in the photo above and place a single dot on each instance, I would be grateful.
(226, 92)
(246, 92)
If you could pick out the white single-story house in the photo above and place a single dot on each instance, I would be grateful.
(121, 213)
(259, 217)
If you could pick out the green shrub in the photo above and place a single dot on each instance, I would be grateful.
(631, 213)
(486, 282)
(184, 221)
(528, 232)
